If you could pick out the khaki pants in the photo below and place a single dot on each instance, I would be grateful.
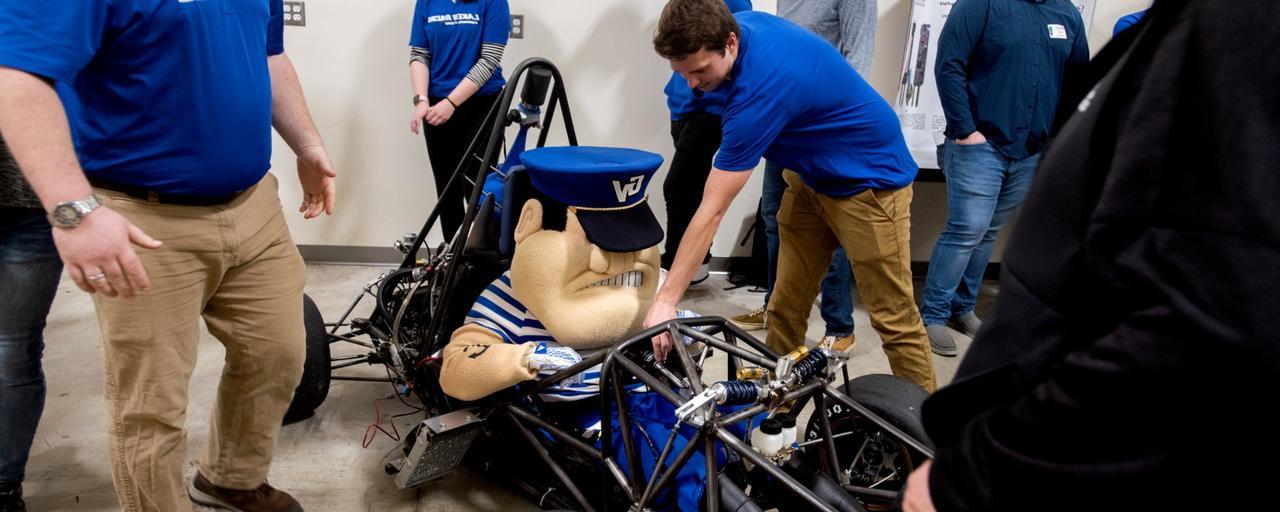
(236, 266)
(874, 227)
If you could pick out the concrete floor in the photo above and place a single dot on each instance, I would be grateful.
(319, 460)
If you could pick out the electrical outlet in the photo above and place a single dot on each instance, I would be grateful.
(517, 26)
(295, 13)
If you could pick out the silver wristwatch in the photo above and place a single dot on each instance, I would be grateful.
(68, 214)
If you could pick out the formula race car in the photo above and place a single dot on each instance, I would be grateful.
(714, 427)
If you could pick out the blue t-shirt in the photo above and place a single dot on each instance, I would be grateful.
(681, 99)
(792, 98)
(170, 95)
(453, 32)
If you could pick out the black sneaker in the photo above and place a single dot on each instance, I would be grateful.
(940, 340)
(11, 500)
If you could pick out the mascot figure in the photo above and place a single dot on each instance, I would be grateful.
(584, 272)
(583, 275)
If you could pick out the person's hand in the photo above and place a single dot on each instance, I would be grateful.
(973, 139)
(548, 359)
(915, 496)
(419, 112)
(316, 174)
(660, 312)
(99, 254)
(440, 113)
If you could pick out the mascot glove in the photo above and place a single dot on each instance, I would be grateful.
(552, 358)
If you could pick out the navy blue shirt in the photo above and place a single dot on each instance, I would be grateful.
(170, 95)
(1000, 67)
(792, 98)
(681, 99)
(453, 32)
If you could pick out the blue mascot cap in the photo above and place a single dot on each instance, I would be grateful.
(605, 188)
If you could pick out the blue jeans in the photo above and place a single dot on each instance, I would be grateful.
(29, 271)
(837, 285)
(984, 188)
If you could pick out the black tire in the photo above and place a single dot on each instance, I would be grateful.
(897, 401)
(314, 386)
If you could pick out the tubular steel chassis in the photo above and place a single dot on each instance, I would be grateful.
(423, 283)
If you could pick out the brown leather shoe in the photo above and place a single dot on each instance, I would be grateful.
(263, 499)
(844, 344)
(753, 321)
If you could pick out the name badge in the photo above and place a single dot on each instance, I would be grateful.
(1057, 31)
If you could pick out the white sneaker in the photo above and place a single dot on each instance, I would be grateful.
(704, 271)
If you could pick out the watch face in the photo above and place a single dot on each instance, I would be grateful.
(66, 215)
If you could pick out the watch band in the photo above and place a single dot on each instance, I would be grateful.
(69, 214)
(418, 98)
(87, 205)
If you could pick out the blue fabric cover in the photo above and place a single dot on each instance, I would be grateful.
(653, 419)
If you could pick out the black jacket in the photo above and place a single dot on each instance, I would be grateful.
(1132, 358)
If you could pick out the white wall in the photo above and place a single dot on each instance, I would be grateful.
(352, 59)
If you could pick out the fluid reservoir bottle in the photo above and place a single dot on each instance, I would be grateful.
(788, 423)
(767, 438)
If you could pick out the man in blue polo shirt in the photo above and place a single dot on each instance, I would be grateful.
(792, 98)
(695, 133)
(999, 71)
(170, 107)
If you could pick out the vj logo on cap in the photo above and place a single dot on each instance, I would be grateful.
(631, 188)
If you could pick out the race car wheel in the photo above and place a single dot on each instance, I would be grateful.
(870, 456)
(314, 386)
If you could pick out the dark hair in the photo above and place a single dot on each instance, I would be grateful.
(687, 26)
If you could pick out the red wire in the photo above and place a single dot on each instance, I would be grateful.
(370, 434)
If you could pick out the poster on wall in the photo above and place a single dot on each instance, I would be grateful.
(917, 104)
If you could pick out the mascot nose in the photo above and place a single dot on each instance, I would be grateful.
(605, 262)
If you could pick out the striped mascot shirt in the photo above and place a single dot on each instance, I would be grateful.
(498, 311)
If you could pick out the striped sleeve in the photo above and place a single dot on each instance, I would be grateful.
(490, 59)
(497, 311)
(420, 54)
